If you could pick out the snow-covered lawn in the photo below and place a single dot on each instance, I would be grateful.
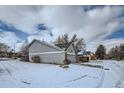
(14, 73)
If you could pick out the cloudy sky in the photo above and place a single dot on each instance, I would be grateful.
(96, 24)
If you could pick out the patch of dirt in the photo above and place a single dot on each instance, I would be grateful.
(64, 66)
(90, 65)
(26, 82)
(106, 68)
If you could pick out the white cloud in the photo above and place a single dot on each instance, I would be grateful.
(9, 38)
(98, 22)
(24, 18)
(19, 45)
(92, 25)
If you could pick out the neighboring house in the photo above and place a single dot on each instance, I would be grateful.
(3, 54)
(49, 53)
(86, 56)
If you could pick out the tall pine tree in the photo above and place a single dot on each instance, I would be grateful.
(100, 52)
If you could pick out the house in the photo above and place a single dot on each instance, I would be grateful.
(85, 56)
(48, 53)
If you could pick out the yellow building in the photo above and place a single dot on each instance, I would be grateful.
(86, 56)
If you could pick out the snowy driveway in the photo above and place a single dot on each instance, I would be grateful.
(14, 73)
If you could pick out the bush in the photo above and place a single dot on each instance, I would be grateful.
(66, 61)
(24, 58)
(83, 59)
(36, 59)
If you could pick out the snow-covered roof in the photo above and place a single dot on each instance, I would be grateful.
(80, 53)
(84, 53)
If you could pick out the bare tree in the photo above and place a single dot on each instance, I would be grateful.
(117, 52)
(80, 44)
(4, 50)
(25, 52)
(63, 41)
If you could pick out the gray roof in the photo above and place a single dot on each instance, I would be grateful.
(84, 53)
(45, 43)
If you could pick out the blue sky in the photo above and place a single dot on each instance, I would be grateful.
(117, 34)
(96, 24)
(10, 28)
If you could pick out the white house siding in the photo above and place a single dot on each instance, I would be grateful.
(71, 49)
(71, 57)
(47, 57)
(71, 54)
(49, 54)
(53, 57)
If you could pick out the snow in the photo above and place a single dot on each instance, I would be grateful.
(106, 73)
